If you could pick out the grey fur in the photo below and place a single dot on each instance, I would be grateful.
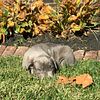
(44, 59)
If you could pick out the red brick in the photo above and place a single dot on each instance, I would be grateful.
(79, 54)
(98, 58)
(20, 51)
(9, 51)
(2, 48)
(90, 55)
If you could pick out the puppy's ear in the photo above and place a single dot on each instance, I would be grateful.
(31, 67)
(56, 66)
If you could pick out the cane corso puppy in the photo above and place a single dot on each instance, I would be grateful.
(44, 59)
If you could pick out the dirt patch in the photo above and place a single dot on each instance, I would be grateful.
(91, 42)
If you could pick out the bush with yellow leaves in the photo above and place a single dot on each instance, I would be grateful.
(36, 18)
(77, 16)
(24, 17)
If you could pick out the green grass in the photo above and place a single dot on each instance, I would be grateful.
(17, 84)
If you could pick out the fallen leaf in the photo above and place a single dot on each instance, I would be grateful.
(84, 79)
(63, 80)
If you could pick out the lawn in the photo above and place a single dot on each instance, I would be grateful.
(17, 84)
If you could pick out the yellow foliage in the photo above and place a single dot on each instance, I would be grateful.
(36, 29)
(22, 30)
(38, 4)
(1, 13)
(22, 15)
(72, 18)
(43, 17)
(1, 3)
(2, 24)
(43, 27)
(10, 24)
(75, 27)
(46, 9)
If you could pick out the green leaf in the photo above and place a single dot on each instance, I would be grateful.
(57, 1)
(17, 30)
(3, 30)
(78, 2)
(82, 24)
(28, 30)
(30, 23)
(5, 13)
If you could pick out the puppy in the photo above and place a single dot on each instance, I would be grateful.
(44, 59)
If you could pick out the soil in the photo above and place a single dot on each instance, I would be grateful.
(91, 42)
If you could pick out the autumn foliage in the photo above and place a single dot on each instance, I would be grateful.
(85, 80)
(36, 18)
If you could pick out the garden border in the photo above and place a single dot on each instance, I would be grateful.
(20, 50)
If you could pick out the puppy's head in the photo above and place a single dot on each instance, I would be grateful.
(43, 66)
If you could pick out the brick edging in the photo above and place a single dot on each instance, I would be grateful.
(20, 50)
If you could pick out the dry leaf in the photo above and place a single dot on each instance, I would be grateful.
(63, 80)
(84, 79)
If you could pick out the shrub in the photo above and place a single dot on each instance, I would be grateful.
(26, 18)
(36, 18)
(77, 16)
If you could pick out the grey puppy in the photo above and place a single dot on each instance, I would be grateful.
(44, 59)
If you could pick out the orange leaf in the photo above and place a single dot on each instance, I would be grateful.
(62, 80)
(22, 15)
(84, 79)
(1, 3)
(1, 13)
